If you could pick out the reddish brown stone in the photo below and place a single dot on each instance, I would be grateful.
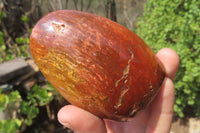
(96, 64)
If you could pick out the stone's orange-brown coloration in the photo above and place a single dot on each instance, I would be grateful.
(96, 64)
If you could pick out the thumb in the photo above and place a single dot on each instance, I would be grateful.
(80, 121)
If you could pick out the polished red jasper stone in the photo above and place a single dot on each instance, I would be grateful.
(96, 64)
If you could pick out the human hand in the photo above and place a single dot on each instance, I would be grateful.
(156, 118)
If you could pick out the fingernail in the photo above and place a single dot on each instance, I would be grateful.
(66, 124)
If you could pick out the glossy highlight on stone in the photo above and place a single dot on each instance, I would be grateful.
(96, 64)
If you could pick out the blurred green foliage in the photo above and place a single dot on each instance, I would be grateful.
(1, 15)
(10, 126)
(17, 47)
(176, 24)
(24, 18)
(2, 39)
(25, 110)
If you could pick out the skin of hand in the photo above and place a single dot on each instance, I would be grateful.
(156, 118)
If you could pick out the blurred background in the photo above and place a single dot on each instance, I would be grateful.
(29, 104)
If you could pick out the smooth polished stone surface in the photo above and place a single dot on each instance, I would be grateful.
(96, 64)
